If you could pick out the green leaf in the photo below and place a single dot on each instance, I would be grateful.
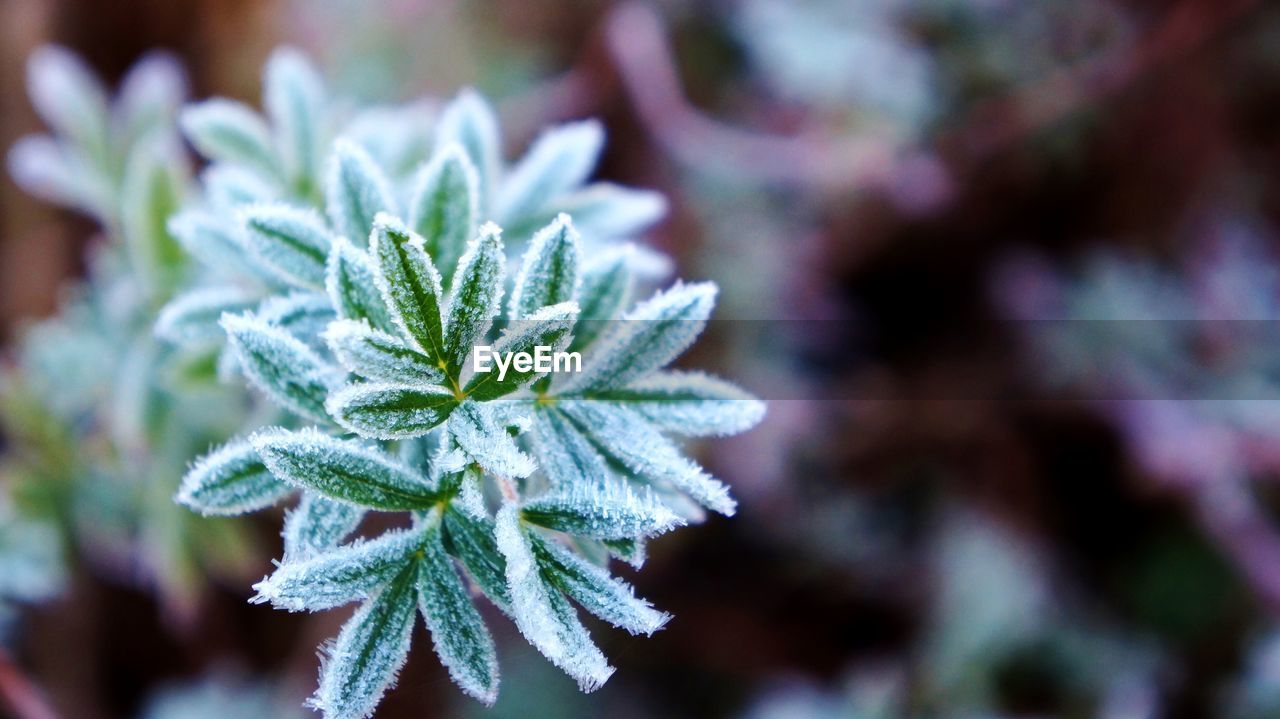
(339, 576)
(444, 208)
(230, 480)
(292, 241)
(601, 511)
(229, 131)
(549, 273)
(481, 434)
(155, 178)
(317, 524)
(605, 290)
(193, 317)
(370, 650)
(391, 411)
(280, 365)
(70, 98)
(379, 356)
(693, 404)
(357, 191)
(294, 96)
(591, 587)
(540, 335)
(559, 161)
(409, 283)
(476, 296)
(342, 470)
(470, 122)
(470, 539)
(351, 281)
(566, 456)
(459, 634)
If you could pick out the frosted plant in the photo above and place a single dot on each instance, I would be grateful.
(518, 484)
(101, 415)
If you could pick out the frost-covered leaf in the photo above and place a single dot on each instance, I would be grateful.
(292, 241)
(476, 296)
(194, 315)
(294, 97)
(214, 241)
(649, 337)
(317, 524)
(305, 315)
(340, 576)
(604, 211)
(543, 615)
(549, 272)
(150, 95)
(601, 511)
(280, 365)
(391, 411)
(631, 551)
(409, 283)
(369, 651)
(470, 122)
(627, 437)
(70, 99)
(444, 206)
(594, 590)
(346, 471)
(230, 480)
(356, 190)
(351, 281)
(229, 131)
(549, 327)
(565, 455)
(559, 160)
(471, 540)
(459, 634)
(379, 356)
(605, 290)
(693, 404)
(483, 437)
(231, 186)
(55, 172)
(154, 183)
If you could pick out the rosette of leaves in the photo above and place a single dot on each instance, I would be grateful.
(522, 487)
(102, 416)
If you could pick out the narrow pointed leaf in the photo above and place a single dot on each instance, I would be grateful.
(280, 365)
(340, 576)
(292, 241)
(605, 290)
(351, 281)
(69, 98)
(391, 411)
(470, 122)
(549, 273)
(379, 356)
(229, 131)
(459, 634)
(628, 438)
(541, 335)
(193, 316)
(409, 283)
(216, 242)
(230, 480)
(154, 183)
(594, 590)
(543, 615)
(58, 173)
(342, 470)
(649, 337)
(356, 191)
(444, 207)
(559, 161)
(601, 511)
(565, 455)
(484, 439)
(692, 404)
(294, 97)
(316, 525)
(476, 296)
(471, 540)
(372, 646)
(150, 95)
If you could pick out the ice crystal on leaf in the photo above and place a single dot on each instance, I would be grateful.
(354, 281)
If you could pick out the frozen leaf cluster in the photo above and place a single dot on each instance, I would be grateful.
(353, 264)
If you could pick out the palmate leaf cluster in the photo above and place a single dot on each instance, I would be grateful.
(100, 415)
(352, 273)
